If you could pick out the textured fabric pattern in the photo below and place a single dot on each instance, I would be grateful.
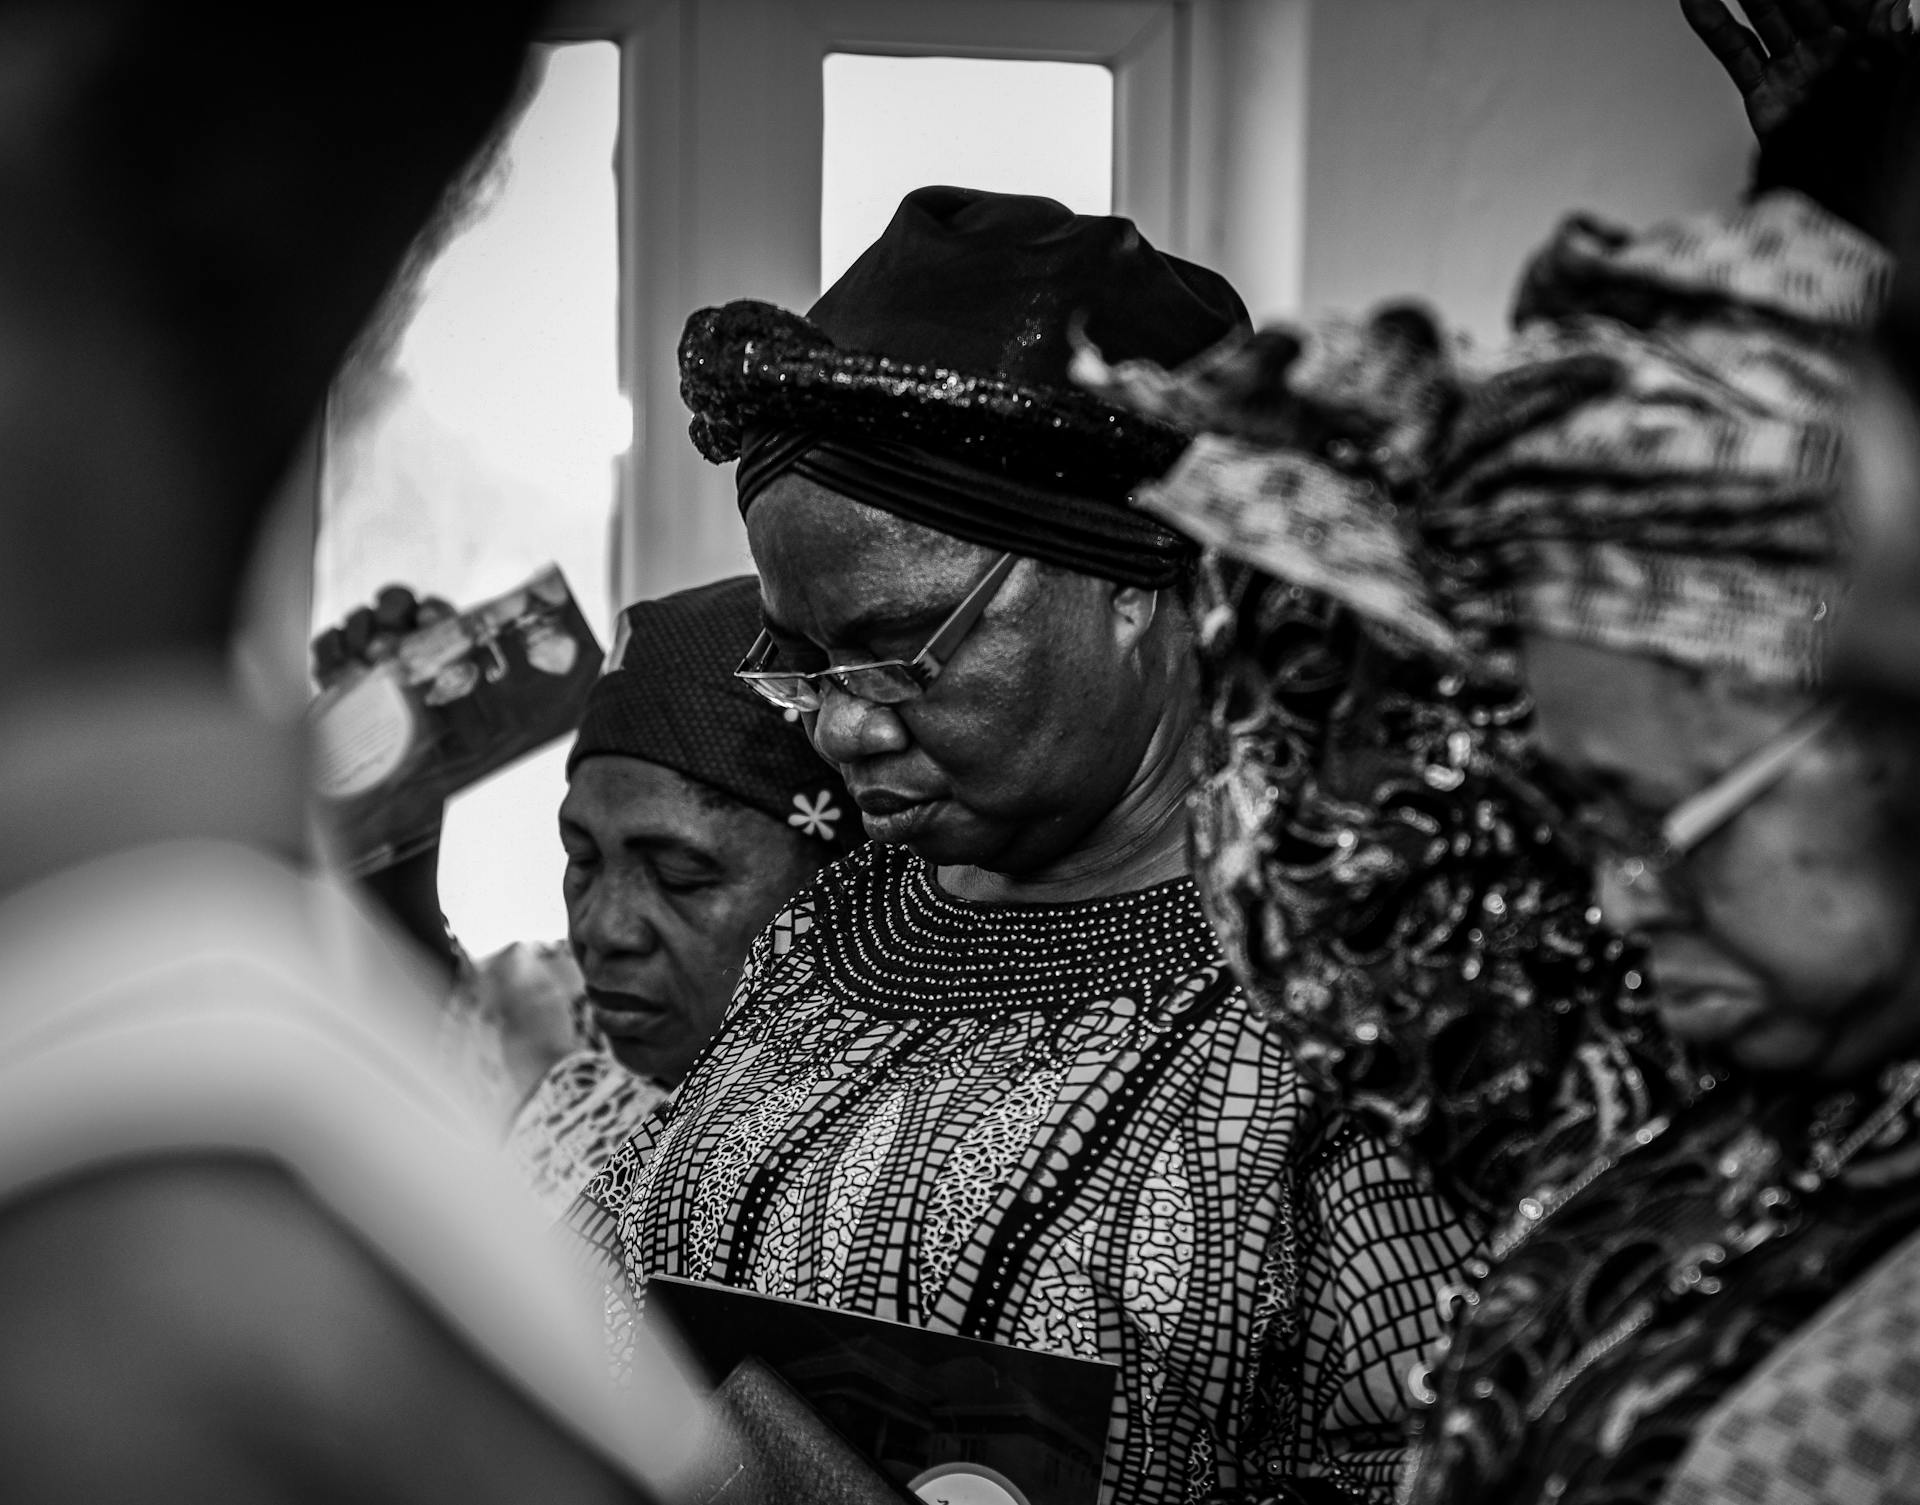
(1390, 880)
(1625, 1302)
(671, 698)
(1300, 520)
(559, 1134)
(1650, 465)
(953, 333)
(1687, 510)
(1078, 1138)
(576, 1119)
(1832, 1418)
(1780, 256)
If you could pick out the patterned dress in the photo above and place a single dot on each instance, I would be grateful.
(1058, 1127)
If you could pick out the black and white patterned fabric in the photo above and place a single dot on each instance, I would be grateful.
(1831, 1417)
(1059, 1127)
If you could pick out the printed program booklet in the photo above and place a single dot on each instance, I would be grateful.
(920, 1416)
(455, 702)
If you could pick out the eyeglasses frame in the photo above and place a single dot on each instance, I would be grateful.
(922, 669)
(1702, 813)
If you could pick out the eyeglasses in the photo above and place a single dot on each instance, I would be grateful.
(885, 681)
(1654, 853)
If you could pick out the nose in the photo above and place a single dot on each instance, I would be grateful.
(847, 729)
(613, 917)
(1637, 895)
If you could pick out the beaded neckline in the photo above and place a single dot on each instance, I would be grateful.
(890, 939)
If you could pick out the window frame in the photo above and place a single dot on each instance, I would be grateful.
(720, 169)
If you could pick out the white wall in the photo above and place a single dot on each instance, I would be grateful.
(1323, 154)
(1444, 138)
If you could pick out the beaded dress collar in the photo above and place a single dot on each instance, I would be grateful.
(888, 938)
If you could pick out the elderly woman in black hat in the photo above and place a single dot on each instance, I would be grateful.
(693, 814)
(990, 1074)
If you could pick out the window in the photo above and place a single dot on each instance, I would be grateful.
(893, 124)
(475, 438)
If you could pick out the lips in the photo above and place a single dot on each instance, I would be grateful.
(625, 1016)
(886, 801)
(1709, 1015)
(1702, 997)
(892, 816)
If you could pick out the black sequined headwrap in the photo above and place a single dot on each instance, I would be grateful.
(935, 375)
(1093, 537)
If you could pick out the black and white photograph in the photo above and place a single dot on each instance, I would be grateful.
(1248, 832)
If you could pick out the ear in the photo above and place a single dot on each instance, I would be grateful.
(1132, 609)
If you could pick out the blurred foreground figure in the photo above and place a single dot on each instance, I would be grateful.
(248, 1250)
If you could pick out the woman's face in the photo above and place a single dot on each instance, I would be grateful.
(667, 884)
(1786, 937)
(1027, 739)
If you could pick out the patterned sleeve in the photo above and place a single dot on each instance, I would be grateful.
(1373, 1250)
(1379, 1249)
(580, 1114)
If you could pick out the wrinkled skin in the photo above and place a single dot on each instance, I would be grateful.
(1787, 939)
(1052, 748)
(667, 884)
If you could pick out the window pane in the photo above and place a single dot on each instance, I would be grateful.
(480, 441)
(894, 124)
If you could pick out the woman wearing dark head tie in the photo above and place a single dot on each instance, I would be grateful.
(989, 1074)
(693, 814)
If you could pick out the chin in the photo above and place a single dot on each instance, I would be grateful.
(648, 1061)
(966, 849)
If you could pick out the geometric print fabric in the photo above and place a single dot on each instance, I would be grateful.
(1832, 1417)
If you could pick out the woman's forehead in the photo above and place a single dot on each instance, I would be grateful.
(628, 799)
(826, 559)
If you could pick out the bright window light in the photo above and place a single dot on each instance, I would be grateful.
(894, 124)
(482, 443)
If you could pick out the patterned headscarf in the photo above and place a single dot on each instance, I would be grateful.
(1688, 510)
(1650, 464)
(670, 698)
